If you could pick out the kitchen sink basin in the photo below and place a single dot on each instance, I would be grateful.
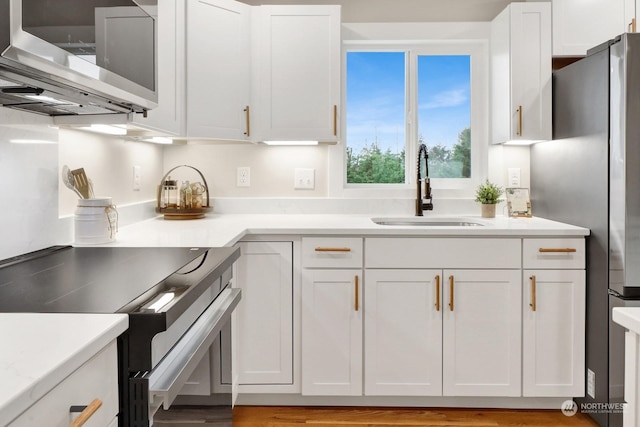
(428, 222)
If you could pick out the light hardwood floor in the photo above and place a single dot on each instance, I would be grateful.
(275, 416)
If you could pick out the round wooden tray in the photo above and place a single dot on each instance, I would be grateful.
(172, 213)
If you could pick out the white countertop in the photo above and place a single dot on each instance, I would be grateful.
(40, 350)
(629, 317)
(227, 229)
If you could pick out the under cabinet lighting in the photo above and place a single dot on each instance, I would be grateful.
(159, 140)
(31, 141)
(523, 141)
(291, 142)
(106, 129)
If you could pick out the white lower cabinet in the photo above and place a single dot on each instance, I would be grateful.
(454, 317)
(442, 332)
(264, 316)
(331, 332)
(95, 379)
(553, 333)
(481, 333)
(403, 333)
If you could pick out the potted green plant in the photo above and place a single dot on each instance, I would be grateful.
(489, 195)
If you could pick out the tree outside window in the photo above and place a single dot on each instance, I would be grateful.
(376, 115)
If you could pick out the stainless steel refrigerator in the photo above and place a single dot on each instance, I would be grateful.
(589, 175)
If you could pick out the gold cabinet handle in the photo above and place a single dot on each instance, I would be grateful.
(557, 250)
(438, 293)
(451, 280)
(335, 120)
(357, 293)
(632, 26)
(320, 249)
(532, 304)
(88, 411)
(519, 130)
(247, 117)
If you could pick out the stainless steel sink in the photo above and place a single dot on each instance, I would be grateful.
(428, 222)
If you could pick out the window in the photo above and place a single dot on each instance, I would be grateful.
(398, 96)
(444, 113)
(376, 117)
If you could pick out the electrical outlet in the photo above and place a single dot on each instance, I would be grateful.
(304, 179)
(243, 178)
(591, 383)
(514, 177)
(137, 178)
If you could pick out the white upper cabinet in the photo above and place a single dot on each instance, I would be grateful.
(521, 73)
(297, 72)
(218, 69)
(168, 117)
(579, 26)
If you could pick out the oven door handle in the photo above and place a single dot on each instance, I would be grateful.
(168, 377)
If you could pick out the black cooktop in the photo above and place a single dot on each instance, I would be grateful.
(65, 279)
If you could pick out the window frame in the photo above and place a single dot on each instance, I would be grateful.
(443, 187)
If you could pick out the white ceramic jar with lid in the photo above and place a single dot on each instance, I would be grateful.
(96, 221)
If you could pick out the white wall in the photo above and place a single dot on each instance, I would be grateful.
(37, 208)
(108, 161)
(272, 168)
(28, 175)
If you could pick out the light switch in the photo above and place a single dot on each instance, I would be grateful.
(137, 178)
(304, 179)
(514, 177)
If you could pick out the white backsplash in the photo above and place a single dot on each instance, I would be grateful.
(328, 205)
(38, 210)
(28, 172)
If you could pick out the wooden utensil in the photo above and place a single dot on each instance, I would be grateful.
(81, 182)
(67, 179)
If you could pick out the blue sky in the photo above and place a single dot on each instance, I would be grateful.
(375, 98)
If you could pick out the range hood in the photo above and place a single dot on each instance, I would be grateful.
(77, 57)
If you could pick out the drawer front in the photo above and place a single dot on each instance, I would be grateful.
(554, 253)
(442, 253)
(96, 379)
(332, 252)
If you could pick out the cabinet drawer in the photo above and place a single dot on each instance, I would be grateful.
(442, 253)
(332, 252)
(553, 253)
(96, 379)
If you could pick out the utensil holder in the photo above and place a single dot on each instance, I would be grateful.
(180, 212)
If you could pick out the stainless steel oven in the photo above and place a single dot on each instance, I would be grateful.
(179, 301)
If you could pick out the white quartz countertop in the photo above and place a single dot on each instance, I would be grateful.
(40, 350)
(227, 229)
(629, 317)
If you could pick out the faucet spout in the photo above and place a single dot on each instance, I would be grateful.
(426, 202)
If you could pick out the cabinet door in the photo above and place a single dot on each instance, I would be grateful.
(265, 328)
(168, 117)
(218, 69)
(298, 72)
(331, 332)
(573, 29)
(403, 333)
(482, 333)
(521, 73)
(553, 333)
